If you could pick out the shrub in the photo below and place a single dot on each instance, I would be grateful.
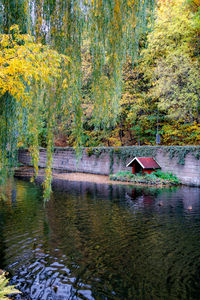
(122, 176)
(5, 288)
(158, 177)
(164, 175)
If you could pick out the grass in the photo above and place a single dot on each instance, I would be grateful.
(159, 177)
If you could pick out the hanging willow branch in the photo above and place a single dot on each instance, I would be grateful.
(39, 81)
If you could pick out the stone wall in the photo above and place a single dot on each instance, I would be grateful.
(106, 160)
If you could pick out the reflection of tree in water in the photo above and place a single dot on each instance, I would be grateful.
(91, 245)
(107, 246)
(13, 194)
(2, 238)
(9, 192)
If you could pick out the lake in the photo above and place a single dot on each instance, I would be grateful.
(93, 241)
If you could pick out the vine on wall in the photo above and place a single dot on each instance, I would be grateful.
(122, 154)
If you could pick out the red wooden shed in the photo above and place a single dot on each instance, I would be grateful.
(143, 164)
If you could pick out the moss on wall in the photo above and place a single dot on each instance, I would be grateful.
(124, 153)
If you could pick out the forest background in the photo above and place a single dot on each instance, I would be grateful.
(161, 83)
(161, 86)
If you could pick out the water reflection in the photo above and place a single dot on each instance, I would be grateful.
(96, 241)
(13, 194)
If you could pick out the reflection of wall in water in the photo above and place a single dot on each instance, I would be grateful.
(188, 195)
(185, 196)
(104, 191)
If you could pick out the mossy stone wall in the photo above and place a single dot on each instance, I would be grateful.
(184, 161)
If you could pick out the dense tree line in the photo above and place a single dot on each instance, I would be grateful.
(161, 84)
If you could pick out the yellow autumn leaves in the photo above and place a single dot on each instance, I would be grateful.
(22, 61)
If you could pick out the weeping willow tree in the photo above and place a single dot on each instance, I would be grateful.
(41, 77)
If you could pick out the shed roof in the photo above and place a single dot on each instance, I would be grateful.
(145, 162)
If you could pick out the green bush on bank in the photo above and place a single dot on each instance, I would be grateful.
(158, 177)
(5, 288)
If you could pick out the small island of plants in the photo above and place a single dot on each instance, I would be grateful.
(155, 178)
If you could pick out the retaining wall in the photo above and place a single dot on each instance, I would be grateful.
(182, 161)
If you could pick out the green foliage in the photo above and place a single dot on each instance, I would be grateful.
(181, 133)
(5, 288)
(39, 84)
(15, 12)
(163, 175)
(181, 152)
(29, 74)
(111, 160)
(165, 80)
(177, 86)
(157, 177)
(169, 62)
(124, 176)
(138, 113)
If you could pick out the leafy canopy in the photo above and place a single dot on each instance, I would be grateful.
(38, 83)
(170, 63)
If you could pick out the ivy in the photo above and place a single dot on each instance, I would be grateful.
(111, 153)
(180, 152)
(122, 154)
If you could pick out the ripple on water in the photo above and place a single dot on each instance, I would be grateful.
(91, 242)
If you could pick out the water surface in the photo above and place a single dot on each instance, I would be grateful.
(95, 241)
